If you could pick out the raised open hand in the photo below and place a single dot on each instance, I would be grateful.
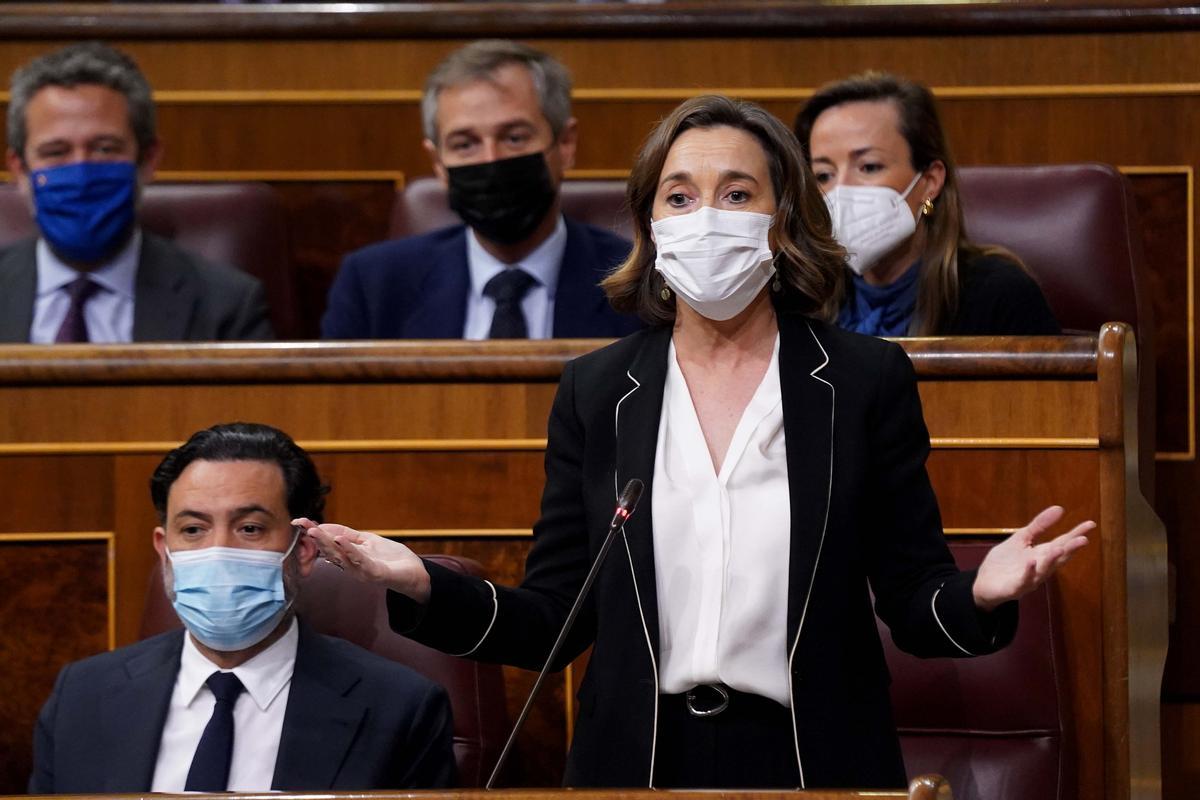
(370, 557)
(1017, 566)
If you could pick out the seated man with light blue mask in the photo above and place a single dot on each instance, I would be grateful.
(248, 699)
(82, 143)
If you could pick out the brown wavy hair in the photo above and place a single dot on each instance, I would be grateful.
(809, 262)
(945, 234)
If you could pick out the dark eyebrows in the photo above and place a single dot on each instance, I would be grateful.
(726, 176)
(253, 508)
(187, 512)
(238, 513)
(678, 175)
(736, 175)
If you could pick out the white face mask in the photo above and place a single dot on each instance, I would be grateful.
(870, 221)
(716, 260)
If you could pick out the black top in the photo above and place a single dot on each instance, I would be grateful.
(862, 513)
(998, 298)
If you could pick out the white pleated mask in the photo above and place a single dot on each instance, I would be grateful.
(716, 260)
(870, 221)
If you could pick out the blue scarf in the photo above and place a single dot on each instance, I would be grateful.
(881, 310)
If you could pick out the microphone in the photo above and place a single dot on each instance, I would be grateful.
(626, 505)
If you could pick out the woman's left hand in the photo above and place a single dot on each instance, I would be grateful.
(1017, 566)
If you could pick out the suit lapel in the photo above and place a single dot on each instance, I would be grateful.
(580, 309)
(18, 286)
(808, 417)
(135, 710)
(637, 418)
(441, 311)
(321, 720)
(164, 296)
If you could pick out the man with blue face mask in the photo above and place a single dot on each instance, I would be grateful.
(82, 143)
(246, 698)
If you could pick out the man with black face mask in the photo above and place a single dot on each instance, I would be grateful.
(82, 143)
(498, 127)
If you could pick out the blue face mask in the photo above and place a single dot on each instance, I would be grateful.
(86, 210)
(228, 597)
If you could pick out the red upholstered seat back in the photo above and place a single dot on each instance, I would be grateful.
(338, 605)
(421, 206)
(1075, 226)
(239, 224)
(996, 726)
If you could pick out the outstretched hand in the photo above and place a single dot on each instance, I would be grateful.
(370, 557)
(1017, 566)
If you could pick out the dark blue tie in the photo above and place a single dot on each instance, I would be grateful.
(210, 765)
(508, 290)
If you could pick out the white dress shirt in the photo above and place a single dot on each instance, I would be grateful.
(722, 545)
(108, 313)
(543, 264)
(257, 716)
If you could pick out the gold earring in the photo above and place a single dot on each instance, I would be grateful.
(927, 207)
(665, 294)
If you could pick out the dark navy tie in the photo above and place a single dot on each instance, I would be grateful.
(74, 328)
(508, 289)
(210, 765)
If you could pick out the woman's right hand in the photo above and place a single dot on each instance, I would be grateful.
(370, 557)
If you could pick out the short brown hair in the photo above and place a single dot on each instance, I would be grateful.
(808, 260)
(478, 61)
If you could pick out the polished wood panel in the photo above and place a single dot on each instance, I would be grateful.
(53, 609)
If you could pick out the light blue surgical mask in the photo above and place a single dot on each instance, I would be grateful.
(228, 597)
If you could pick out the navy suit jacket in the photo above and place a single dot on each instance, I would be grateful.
(178, 296)
(354, 720)
(416, 288)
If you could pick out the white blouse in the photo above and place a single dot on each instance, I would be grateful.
(722, 544)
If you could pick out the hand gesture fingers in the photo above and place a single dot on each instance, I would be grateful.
(1016, 566)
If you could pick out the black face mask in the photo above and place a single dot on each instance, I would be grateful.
(503, 201)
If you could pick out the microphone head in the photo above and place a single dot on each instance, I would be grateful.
(630, 496)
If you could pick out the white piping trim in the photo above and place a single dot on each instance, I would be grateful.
(820, 547)
(495, 613)
(933, 606)
(636, 593)
(617, 417)
(649, 649)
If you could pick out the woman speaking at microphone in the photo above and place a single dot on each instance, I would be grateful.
(784, 463)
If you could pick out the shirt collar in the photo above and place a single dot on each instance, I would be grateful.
(543, 263)
(117, 276)
(264, 675)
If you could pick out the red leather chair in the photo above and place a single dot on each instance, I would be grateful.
(1076, 227)
(241, 224)
(338, 605)
(421, 206)
(995, 726)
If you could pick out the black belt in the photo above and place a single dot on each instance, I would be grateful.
(707, 699)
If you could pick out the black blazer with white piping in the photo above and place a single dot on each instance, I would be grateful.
(863, 519)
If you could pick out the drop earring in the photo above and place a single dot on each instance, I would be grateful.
(665, 294)
(776, 286)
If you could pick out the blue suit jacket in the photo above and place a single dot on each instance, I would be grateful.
(416, 288)
(354, 720)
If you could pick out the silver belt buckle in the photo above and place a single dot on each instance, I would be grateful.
(707, 712)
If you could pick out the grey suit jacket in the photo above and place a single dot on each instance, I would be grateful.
(354, 720)
(178, 296)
